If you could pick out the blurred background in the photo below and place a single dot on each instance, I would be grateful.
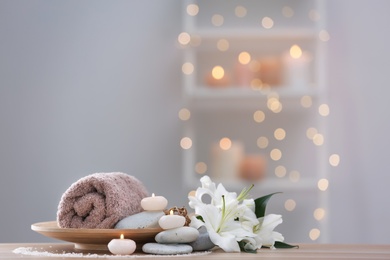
(289, 95)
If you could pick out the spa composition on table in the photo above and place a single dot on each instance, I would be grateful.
(116, 206)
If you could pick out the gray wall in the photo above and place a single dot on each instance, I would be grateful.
(88, 86)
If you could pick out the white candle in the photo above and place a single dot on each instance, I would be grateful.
(154, 203)
(122, 246)
(296, 68)
(225, 162)
(171, 221)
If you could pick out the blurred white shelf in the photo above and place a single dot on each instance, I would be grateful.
(257, 33)
(245, 97)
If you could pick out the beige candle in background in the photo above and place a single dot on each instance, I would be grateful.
(226, 158)
(271, 70)
(243, 71)
(253, 167)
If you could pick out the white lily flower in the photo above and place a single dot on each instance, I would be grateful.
(265, 230)
(227, 221)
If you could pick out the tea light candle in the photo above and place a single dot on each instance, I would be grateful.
(122, 246)
(154, 203)
(171, 221)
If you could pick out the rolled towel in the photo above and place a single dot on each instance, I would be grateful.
(100, 200)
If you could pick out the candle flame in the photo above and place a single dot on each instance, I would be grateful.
(171, 212)
(122, 236)
(152, 194)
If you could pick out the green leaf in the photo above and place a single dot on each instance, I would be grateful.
(200, 218)
(279, 244)
(261, 204)
(242, 244)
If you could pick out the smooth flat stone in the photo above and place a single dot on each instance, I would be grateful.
(170, 249)
(203, 241)
(144, 219)
(177, 235)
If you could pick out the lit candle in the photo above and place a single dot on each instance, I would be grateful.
(154, 203)
(296, 67)
(122, 246)
(171, 221)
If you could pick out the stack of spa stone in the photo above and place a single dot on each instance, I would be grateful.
(180, 240)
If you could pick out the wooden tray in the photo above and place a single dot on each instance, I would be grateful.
(94, 239)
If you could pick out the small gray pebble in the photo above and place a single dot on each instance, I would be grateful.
(203, 241)
(144, 219)
(177, 235)
(161, 249)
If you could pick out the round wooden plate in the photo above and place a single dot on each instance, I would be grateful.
(93, 239)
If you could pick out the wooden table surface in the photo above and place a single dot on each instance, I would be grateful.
(305, 251)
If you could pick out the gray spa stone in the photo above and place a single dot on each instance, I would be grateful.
(203, 241)
(167, 249)
(144, 219)
(177, 235)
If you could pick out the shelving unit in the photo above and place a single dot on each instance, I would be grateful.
(228, 110)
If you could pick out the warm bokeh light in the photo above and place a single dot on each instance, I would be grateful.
(184, 38)
(274, 105)
(314, 234)
(191, 193)
(311, 132)
(280, 171)
(218, 72)
(287, 12)
(192, 9)
(324, 35)
(240, 11)
(186, 143)
(256, 84)
(187, 68)
(200, 168)
(323, 110)
(334, 160)
(244, 57)
(294, 176)
(279, 134)
(267, 22)
(323, 184)
(184, 114)
(306, 101)
(290, 205)
(223, 45)
(319, 214)
(217, 20)
(276, 154)
(318, 139)
(225, 143)
(259, 116)
(314, 15)
(295, 51)
(262, 142)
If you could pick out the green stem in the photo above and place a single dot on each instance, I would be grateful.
(244, 193)
(223, 214)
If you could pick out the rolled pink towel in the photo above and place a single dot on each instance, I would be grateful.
(100, 200)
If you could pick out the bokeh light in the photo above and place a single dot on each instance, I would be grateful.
(267, 22)
(192, 9)
(184, 114)
(218, 72)
(225, 143)
(259, 116)
(186, 143)
(200, 167)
